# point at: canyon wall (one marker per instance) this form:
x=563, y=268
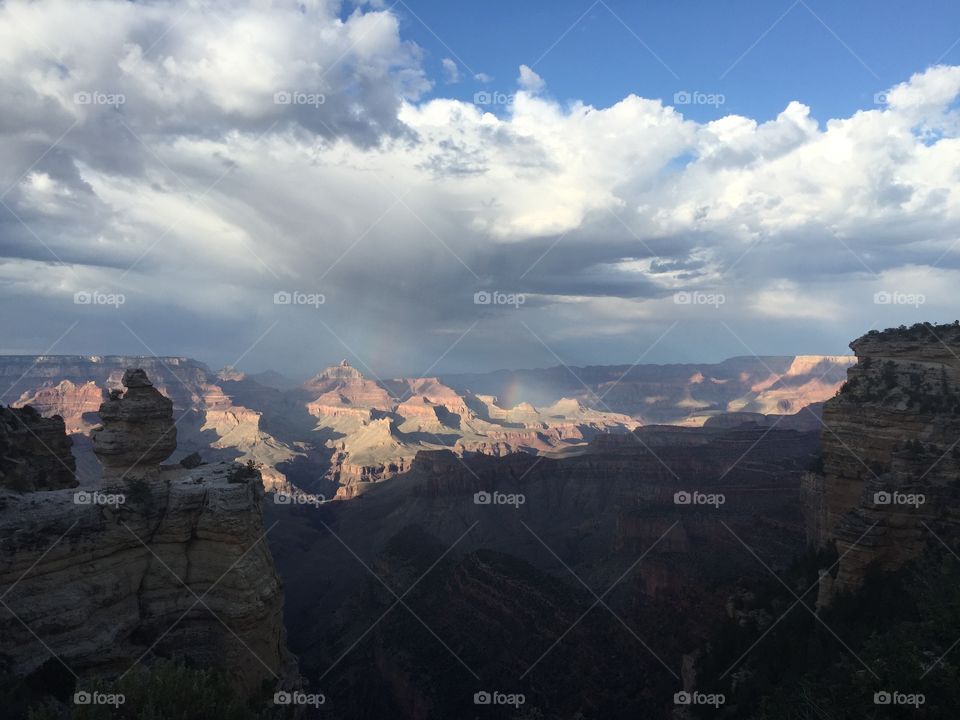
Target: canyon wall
x=208, y=419
x=891, y=460
x=34, y=452
x=677, y=394
x=341, y=432
x=159, y=560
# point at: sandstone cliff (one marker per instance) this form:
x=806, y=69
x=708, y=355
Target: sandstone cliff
x=34, y=452
x=160, y=561
x=208, y=418
x=678, y=394
x=890, y=455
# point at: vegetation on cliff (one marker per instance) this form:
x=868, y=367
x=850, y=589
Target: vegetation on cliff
x=895, y=635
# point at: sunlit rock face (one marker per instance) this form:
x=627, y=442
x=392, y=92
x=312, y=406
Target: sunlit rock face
x=209, y=418
x=341, y=431
x=138, y=431
x=76, y=402
x=890, y=460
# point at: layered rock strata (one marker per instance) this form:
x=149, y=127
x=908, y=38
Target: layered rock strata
x=138, y=432
x=170, y=562
x=34, y=452
x=891, y=462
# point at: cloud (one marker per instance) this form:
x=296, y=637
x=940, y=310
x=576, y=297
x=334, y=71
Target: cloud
x=202, y=194
x=529, y=81
x=451, y=73
x=483, y=77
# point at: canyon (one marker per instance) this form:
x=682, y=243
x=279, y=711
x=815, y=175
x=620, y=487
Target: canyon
x=339, y=432
x=550, y=545
x=158, y=561
x=612, y=517
x=676, y=394
x=611, y=537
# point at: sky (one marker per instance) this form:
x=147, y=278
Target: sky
x=424, y=187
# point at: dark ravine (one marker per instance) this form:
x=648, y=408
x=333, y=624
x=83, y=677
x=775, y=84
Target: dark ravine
x=707, y=584
x=599, y=512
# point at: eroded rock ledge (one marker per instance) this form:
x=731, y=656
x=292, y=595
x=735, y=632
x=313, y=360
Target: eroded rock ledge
x=34, y=452
x=164, y=561
x=138, y=431
x=891, y=461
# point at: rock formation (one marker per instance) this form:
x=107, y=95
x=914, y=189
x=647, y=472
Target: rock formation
x=34, y=452
x=891, y=461
x=170, y=562
x=341, y=431
x=677, y=394
x=379, y=428
x=76, y=403
x=209, y=419
x=138, y=432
